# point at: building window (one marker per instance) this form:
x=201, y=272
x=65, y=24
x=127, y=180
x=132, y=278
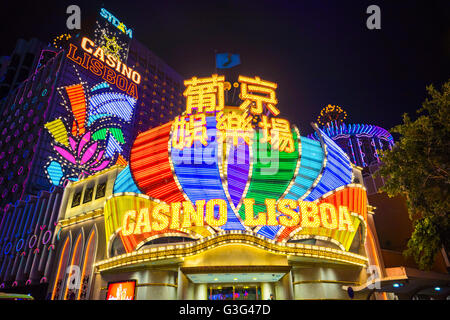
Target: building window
x=88, y=194
x=101, y=190
x=76, y=198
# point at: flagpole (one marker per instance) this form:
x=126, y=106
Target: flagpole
x=215, y=60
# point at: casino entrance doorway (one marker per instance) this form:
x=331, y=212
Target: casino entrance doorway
x=234, y=292
x=236, y=283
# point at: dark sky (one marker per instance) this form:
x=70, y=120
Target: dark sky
x=319, y=52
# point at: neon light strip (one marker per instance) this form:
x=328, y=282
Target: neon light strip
x=337, y=171
x=75, y=253
x=112, y=103
x=60, y=272
x=150, y=165
x=354, y=197
x=78, y=102
x=102, y=85
x=124, y=182
x=85, y=262
x=224, y=239
x=237, y=174
x=310, y=166
x=270, y=186
x=336, y=132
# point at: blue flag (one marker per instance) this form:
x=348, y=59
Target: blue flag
x=227, y=60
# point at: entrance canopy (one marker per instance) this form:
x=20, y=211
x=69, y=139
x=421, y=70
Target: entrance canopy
x=235, y=274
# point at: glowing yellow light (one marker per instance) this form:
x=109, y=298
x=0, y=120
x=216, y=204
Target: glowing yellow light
x=271, y=212
x=160, y=217
x=184, y=132
x=143, y=222
x=193, y=215
x=278, y=133
x=127, y=225
x=58, y=131
x=331, y=113
x=281, y=135
x=175, y=208
x=290, y=218
x=235, y=126
x=310, y=214
x=204, y=94
x=255, y=92
x=210, y=219
x=250, y=220
x=327, y=213
x=345, y=222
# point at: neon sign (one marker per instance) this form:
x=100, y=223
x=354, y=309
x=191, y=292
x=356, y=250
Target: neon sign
x=93, y=136
x=223, y=168
x=293, y=214
x=116, y=22
x=205, y=97
x=124, y=290
x=106, y=66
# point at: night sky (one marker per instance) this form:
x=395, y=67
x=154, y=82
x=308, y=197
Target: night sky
x=319, y=52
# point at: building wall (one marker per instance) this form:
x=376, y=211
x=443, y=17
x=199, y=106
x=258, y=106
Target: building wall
x=27, y=240
x=69, y=210
x=161, y=95
x=22, y=63
x=23, y=115
x=83, y=220
x=323, y=282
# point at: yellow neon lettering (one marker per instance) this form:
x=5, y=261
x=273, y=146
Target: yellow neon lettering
x=86, y=41
x=136, y=77
x=271, y=212
x=250, y=220
x=110, y=61
x=127, y=225
x=143, y=222
x=190, y=213
x=126, y=71
x=345, y=222
x=175, y=208
x=160, y=217
x=99, y=54
x=290, y=218
x=310, y=214
x=210, y=219
x=328, y=216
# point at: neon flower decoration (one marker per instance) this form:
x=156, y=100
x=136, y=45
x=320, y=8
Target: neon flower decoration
x=84, y=154
x=95, y=139
x=331, y=114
